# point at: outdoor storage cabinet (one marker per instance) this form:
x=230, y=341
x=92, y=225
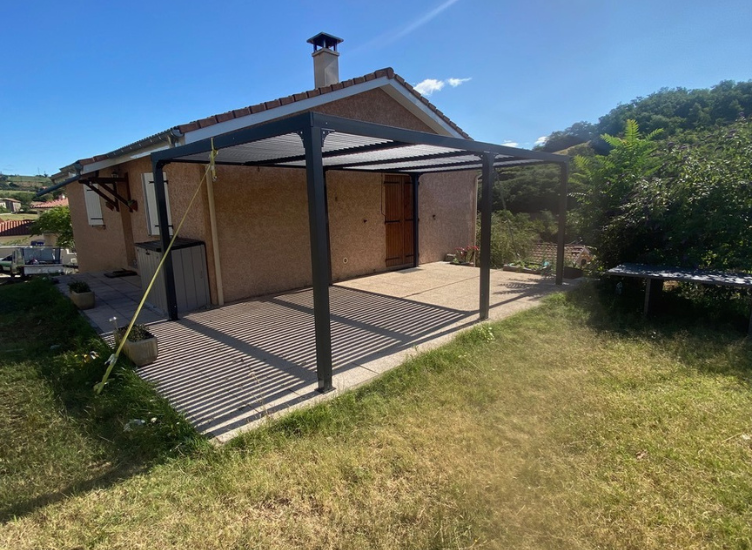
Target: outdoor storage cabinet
x=189, y=265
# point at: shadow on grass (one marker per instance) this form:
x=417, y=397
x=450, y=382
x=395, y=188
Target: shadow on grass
x=61, y=438
x=699, y=324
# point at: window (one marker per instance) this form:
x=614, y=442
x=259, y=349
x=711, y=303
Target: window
x=152, y=218
x=93, y=206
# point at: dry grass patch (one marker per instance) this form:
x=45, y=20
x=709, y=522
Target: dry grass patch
x=554, y=429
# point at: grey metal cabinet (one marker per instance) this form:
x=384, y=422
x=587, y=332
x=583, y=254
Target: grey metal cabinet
x=189, y=266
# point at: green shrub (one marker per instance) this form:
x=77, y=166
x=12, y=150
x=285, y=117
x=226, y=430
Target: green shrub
x=512, y=237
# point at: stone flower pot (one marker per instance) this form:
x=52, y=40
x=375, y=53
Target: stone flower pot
x=82, y=300
x=141, y=347
x=142, y=352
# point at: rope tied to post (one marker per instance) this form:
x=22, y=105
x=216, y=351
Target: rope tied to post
x=120, y=339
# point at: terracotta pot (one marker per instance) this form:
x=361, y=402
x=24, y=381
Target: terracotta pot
x=142, y=352
x=82, y=300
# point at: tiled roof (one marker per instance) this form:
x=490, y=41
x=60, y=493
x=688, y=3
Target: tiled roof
x=15, y=228
x=41, y=205
x=269, y=105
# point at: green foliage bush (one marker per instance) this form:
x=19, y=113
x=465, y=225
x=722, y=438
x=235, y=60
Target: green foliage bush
x=686, y=202
x=512, y=237
x=56, y=220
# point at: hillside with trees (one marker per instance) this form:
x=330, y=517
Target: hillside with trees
x=664, y=179
x=673, y=111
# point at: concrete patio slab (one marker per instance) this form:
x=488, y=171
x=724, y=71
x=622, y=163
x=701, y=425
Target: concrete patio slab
x=114, y=297
x=229, y=369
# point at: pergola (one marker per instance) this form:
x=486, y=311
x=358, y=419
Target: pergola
x=318, y=143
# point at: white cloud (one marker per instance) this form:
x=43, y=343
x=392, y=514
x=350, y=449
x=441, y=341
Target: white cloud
x=429, y=86
x=454, y=82
x=541, y=140
x=508, y=143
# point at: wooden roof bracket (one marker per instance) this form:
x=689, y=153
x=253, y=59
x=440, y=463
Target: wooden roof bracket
x=107, y=189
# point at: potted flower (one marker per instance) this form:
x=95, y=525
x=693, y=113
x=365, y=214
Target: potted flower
x=141, y=347
x=81, y=294
x=466, y=255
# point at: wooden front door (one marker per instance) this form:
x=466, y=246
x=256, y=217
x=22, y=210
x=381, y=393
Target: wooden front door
x=399, y=220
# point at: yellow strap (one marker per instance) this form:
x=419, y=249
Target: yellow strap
x=112, y=360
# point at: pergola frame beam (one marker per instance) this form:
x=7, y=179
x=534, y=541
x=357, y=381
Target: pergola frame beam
x=313, y=129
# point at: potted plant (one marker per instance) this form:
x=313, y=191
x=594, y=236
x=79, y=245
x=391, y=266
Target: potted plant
x=466, y=255
x=141, y=347
x=81, y=294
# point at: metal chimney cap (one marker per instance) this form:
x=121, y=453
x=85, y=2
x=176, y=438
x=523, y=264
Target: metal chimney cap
x=324, y=40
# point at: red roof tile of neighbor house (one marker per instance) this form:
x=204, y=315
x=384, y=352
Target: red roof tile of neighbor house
x=15, y=228
x=269, y=105
x=41, y=205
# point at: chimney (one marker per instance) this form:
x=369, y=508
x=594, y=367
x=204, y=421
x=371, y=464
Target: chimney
x=325, y=59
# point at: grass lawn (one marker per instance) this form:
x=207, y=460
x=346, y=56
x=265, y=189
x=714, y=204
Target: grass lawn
x=573, y=425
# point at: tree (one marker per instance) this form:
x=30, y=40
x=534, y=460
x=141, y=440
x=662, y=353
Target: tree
x=56, y=220
x=613, y=216
x=708, y=196
x=579, y=132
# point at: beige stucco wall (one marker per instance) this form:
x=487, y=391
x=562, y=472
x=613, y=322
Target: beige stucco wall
x=262, y=216
x=357, y=235
x=447, y=210
x=100, y=247
x=374, y=106
x=262, y=225
x=113, y=246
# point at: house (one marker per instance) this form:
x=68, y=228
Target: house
x=348, y=179
x=261, y=222
x=11, y=205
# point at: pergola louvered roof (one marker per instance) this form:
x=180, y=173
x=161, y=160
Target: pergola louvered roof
x=351, y=145
x=317, y=143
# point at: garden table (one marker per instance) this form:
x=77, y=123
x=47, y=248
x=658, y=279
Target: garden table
x=656, y=275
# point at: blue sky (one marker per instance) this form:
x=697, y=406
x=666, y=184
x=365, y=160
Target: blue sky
x=81, y=78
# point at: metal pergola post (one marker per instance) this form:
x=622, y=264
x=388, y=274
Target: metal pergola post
x=485, y=234
x=563, y=177
x=164, y=238
x=313, y=141
x=415, y=178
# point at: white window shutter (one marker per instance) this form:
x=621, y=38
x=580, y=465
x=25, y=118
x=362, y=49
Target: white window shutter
x=152, y=218
x=93, y=206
